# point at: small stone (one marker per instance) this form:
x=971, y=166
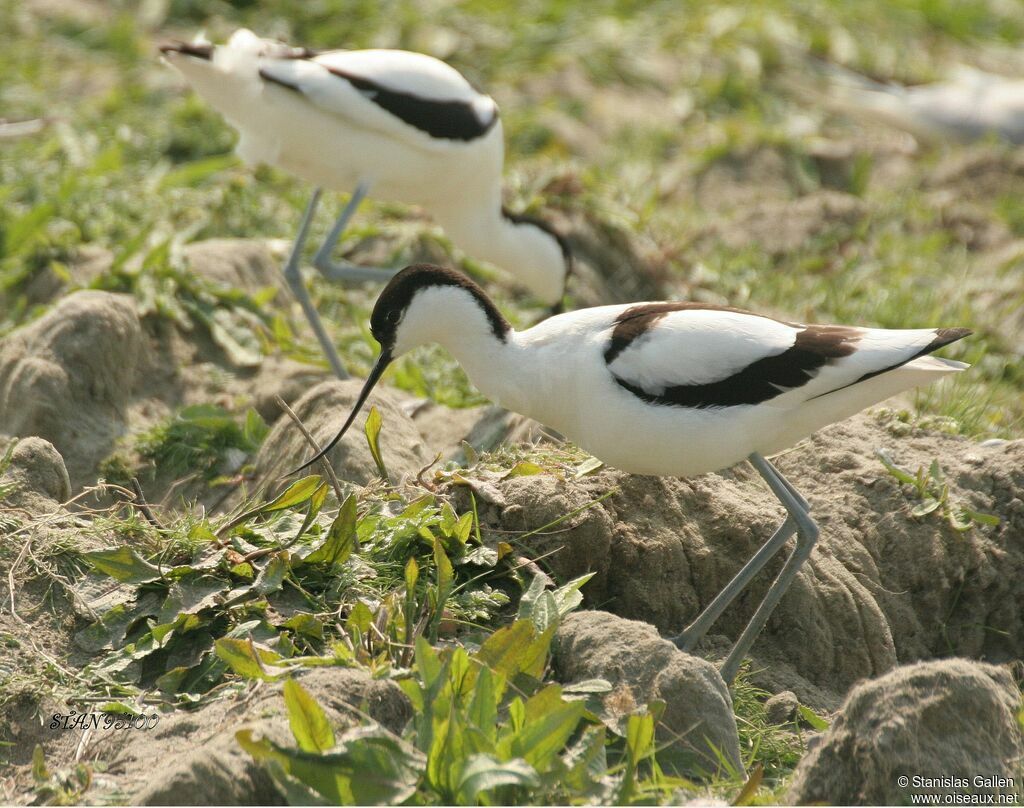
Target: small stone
x=782, y=707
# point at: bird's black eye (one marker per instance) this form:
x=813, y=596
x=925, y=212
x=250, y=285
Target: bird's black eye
x=393, y=316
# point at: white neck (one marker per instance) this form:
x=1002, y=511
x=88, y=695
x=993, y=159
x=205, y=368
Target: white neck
x=524, y=250
x=501, y=369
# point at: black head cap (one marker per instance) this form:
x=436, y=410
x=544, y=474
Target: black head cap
x=387, y=315
x=401, y=289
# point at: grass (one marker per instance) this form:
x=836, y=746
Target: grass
x=663, y=120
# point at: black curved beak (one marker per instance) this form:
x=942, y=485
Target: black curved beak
x=199, y=51
x=375, y=373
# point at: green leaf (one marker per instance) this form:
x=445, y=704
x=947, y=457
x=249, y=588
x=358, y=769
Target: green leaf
x=371, y=766
x=307, y=624
x=246, y=659
x=412, y=574
x=812, y=718
x=341, y=538
x=989, y=519
x=545, y=612
x=271, y=577
x=192, y=594
x=549, y=723
x=900, y=474
x=123, y=564
x=482, y=773
x=483, y=705
x=588, y=466
x=516, y=649
x=925, y=508
x=639, y=736
x=295, y=494
x=372, y=429
x=193, y=173
x=568, y=596
x=308, y=721
x=107, y=632
x=529, y=597
x=524, y=468
x=233, y=330
x=40, y=773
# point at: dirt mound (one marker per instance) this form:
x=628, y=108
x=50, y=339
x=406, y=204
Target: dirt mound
x=610, y=264
x=882, y=587
x=323, y=410
x=237, y=263
x=201, y=763
x=38, y=475
x=783, y=226
x=66, y=377
x=698, y=723
x=947, y=719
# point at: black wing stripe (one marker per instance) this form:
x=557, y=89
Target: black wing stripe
x=281, y=82
x=943, y=336
x=814, y=347
x=636, y=321
x=448, y=120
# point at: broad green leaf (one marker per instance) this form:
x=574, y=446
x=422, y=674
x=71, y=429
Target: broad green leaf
x=568, y=596
x=307, y=719
x=359, y=619
x=295, y=494
x=370, y=766
x=529, y=597
x=341, y=538
x=989, y=519
x=484, y=703
x=427, y=662
x=550, y=722
x=372, y=429
x=812, y=718
x=482, y=773
x=191, y=595
x=588, y=466
x=545, y=612
x=417, y=506
x=516, y=649
x=245, y=659
x=639, y=737
x=464, y=529
x=304, y=623
x=108, y=631
x=195, y=172
x=123, y=564
x=925, y=508
x=271, y=577
x=445, y=574
x=40, y=773
x=524, y=468
x=900, y=474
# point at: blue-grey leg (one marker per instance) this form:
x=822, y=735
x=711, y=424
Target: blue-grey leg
x=687, y=639
x=294, y=279
x=345, y=272
x=806, y=536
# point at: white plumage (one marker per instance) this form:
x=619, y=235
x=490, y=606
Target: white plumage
x=671, y=389
x=969, y=105
x=402, y=126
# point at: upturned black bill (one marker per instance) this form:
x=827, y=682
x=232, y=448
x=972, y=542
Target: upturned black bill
x=378, y=369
